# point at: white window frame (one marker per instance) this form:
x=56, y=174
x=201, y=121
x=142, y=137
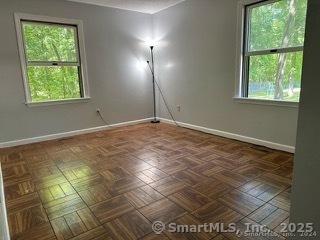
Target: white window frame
x=242, y=56
x=81, y=62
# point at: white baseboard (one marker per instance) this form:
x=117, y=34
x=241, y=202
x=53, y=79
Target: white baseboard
x=4, y=228
x=242, y=138
x=256, y=141
x=69, y=134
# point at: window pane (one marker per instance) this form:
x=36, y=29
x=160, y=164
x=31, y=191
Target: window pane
x=49, y=42
x=277, y=25
x=53, y=83
x=275, y=76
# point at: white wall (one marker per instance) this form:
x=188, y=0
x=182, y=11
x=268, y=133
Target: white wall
x=305, y=196
x=113, y=41
x=196, y=65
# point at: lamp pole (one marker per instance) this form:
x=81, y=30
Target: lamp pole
x=154, y=87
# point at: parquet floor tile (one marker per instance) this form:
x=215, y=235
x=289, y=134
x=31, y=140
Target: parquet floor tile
x=143, y=196
x=216, y=212
x=15, y=172
x=285, y=171
x=172, y=167
x=40, y=232
x=275, y=180
x=189, y=199
x=98, y=233
x=282, y=200
x=275, y=218
x=241, y=202
x=50, y=180
x=25, y=219
x=262, y=212
x=74, y=224
x=151, y=175
x=261, y=190
x=208, y=169
x=231, y=178
x=190, y=161
x=213, y=188
x=95, y=194
x=23, y=202
x=114, y=174
x=78, y=172
x=124, y=185
x=55, y=192
x=190, y=177
x=249, y=171
x=63, y=206
x=162, y=210
x=112, y=208
x=86, y=183
x=134, y=165
x=263, y=165
x=17, y=190
x=114, y=184
x=168, y=185
x=129, y=226
x=227, y=163
x=39, y=171
x=277, y=158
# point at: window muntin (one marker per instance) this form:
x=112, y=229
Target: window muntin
x=50, y=42
x=60, y=82
x=273, y=49
x=52, y=58
x=261, y=81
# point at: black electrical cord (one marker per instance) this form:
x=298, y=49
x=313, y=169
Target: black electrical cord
x=102, y=118
x=166, y=104
x=163, y=98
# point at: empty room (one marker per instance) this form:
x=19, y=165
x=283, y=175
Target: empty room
x=159, y=119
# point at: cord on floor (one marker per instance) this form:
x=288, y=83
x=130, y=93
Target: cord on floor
x=162, y=96
x=166, y=104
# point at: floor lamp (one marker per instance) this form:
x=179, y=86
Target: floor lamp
x=151, y=66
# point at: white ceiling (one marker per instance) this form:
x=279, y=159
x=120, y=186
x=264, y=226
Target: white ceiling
x=145, y=6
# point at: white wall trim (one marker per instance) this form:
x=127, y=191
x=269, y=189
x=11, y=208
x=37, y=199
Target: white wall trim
x=4, y=231
x=256, y=141
x=277, y=146
x=69, y=134
x=278, y=103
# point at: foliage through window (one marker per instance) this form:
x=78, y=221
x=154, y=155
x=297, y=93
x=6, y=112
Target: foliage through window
x=273, y=51
x=53, y=70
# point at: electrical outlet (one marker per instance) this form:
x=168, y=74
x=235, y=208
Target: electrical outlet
x=179, y=108
x=98, y=110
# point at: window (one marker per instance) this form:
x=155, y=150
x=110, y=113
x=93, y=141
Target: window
x=273, y=50
x=52, y=58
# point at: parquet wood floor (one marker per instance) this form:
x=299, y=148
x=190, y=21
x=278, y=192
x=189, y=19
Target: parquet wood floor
x=114, y=184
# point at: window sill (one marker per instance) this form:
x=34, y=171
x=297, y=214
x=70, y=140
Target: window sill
x=57, y=102
x=278, y=103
